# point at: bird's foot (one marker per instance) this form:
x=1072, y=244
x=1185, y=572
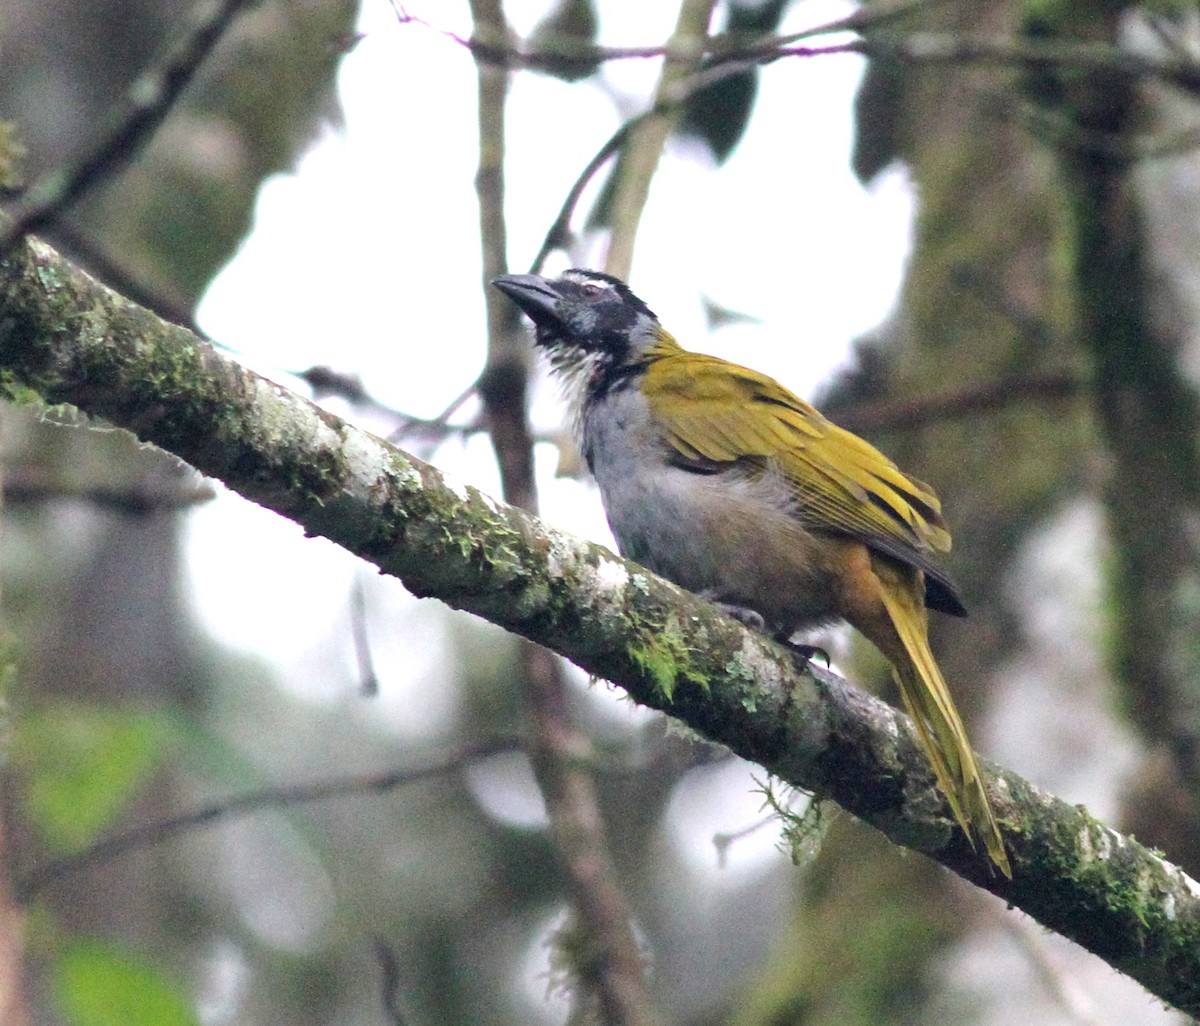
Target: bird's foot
x=755, y=621
x=743, y=614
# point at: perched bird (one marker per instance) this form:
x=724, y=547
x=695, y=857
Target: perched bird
x=723, y=481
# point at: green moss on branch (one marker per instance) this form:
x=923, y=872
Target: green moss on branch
x=70, y=340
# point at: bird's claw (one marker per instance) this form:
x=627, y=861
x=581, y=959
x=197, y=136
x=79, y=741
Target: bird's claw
x=804, y=654
x=753, y=619
x=743, y=614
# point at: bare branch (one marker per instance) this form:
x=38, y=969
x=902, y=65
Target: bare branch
x=25, y=486
x=150, y=834
x=559, y=234
x=671, y=101
x=1178, y=68
x=987, y=397
x=389, y=983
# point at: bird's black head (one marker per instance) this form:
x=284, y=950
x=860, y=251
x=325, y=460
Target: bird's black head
x=582, y=313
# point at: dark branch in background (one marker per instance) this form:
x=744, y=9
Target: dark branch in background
x=671, y=100
x=559, y=235
x=1032, y=331
x=439, y=424
x=22, y=486
x=67, y=339
x=1179, y=70
x=611, y=975
x=987, y=397
x=368, y=679
x=420, y=434
x=150, y=834
x=931, y=48
x=549, y=57
x=147, y=103
x=389, y=980
x=326, y=382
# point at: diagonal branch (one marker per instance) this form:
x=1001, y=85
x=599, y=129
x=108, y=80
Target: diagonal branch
x=149, y=834
x=67, y=339
x=147, y=103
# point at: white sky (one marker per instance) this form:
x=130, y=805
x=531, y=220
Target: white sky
x=367, y=259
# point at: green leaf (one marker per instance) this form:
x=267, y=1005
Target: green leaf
x=82, y=764
x=99, y=984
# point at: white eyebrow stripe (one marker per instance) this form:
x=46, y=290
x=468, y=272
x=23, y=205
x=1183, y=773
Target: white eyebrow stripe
x=583, y=278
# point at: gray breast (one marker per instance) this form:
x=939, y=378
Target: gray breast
x=730, y=535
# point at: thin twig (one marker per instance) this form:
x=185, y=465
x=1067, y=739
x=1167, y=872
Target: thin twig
x=1178, y=69
x=560, y=231
x=723, y=840
x=1033, y=332
x=150, y=834
x=551, y=52
x=147, y=102
x=439, y=427
x=1071, y=996
x=682, y=90
x=368, y=679
x=325, y=381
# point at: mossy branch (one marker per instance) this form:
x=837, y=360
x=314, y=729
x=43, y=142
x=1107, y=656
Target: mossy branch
x=68, y=339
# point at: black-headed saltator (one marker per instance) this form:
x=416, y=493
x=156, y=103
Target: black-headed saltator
x=723, y=481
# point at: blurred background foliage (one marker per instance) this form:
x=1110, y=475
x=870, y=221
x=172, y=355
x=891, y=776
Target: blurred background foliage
x=1039, y=368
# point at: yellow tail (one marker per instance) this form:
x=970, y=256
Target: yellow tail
x=939, y=728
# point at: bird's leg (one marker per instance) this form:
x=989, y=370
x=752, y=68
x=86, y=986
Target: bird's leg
x=753, y=619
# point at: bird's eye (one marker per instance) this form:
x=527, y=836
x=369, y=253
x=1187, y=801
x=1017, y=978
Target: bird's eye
x=590, y=290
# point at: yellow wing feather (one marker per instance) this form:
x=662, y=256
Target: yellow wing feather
x=717, y=411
